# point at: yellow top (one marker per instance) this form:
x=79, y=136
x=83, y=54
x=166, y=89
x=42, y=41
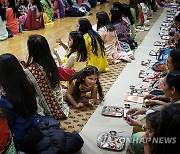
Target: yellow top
x=98, y=61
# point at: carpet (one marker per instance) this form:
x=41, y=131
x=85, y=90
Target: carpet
x=79, y=117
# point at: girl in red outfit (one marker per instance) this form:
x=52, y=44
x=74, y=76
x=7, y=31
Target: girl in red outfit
x=6, y=143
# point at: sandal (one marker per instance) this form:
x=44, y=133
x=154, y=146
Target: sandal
x=165, y=37
x=158, y=43
x=153, y=53
x=146, y=63
x=165, y=24
x=164, y=28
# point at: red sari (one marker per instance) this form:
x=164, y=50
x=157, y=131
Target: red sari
x=4, y=134
x=31, y=23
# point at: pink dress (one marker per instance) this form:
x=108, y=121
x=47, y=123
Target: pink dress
x=11, y=21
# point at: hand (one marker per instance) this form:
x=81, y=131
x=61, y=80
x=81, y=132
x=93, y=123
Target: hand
x=91, y=102
x=79, y=105
x=55, y=52
x=135, y=111
x=58, y=40
x=153, y=102
x=148, y=96
x=161, y=98
x=161, y=67
x=133, y=122
x=23, y=63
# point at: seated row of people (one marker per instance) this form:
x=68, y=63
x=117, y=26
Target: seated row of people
x=161, y=100
x=32, y=15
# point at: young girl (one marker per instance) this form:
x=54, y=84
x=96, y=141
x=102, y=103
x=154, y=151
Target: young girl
x=3, y=31
x=126, y=14
x=145, y=138
x=34, y=19
x=107, y=32
x=76, y=54
x=48, y=14
x=168, y=129
x=32, y=133
x=6, y=142
x=94, y=45
x=12, y=15
x=84, y=86
x=43, y=73
x=122, y=28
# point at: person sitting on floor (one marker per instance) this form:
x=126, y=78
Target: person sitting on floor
x=94, y=45
x=34, y=19
x=42, y=70
x=48, y=14
x=3, y=30
x=84, y=87
x=31, y=132
x=76, y=54
x=141, y=140
x=168, y=128
x=12, y=16
x=6, y=141
x=107, y=31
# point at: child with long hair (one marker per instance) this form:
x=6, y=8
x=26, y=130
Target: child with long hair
x=126, y=14
x=141, y=142
x=34, y=19
x=107, y=31
x=48, y=14
x=94, y=45
x=169, y=123
x=32, y=133
x=3, y=31
x=12, y=16
x=84, y=87
x=43, y=73
x=76, y=55
x=122, y=29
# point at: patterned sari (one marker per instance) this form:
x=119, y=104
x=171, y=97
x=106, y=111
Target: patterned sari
x=50, y=100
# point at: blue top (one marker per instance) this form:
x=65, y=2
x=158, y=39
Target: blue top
x=18, y=125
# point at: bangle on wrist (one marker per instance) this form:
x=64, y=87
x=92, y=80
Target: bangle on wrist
x=143, y=126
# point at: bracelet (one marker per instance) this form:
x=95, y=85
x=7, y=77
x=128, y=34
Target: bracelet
x=143, y=126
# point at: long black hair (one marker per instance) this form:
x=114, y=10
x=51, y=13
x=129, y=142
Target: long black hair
x=173, y=80
x=169, y=124
x=153, y=119
x=175, y=56
x=78, y=46
x=38, y=4
x=80, y=76
x=18, y=90
x=134, y=4
x=86, y=27
x=2, y=12
x=127, y=12
x=12, y=4
x=116, y=15
x=39, y=52
x=103, y=20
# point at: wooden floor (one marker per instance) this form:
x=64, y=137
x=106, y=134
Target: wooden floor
x=60, y=28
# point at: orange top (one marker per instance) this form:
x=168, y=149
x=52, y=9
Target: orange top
x=12, y=21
